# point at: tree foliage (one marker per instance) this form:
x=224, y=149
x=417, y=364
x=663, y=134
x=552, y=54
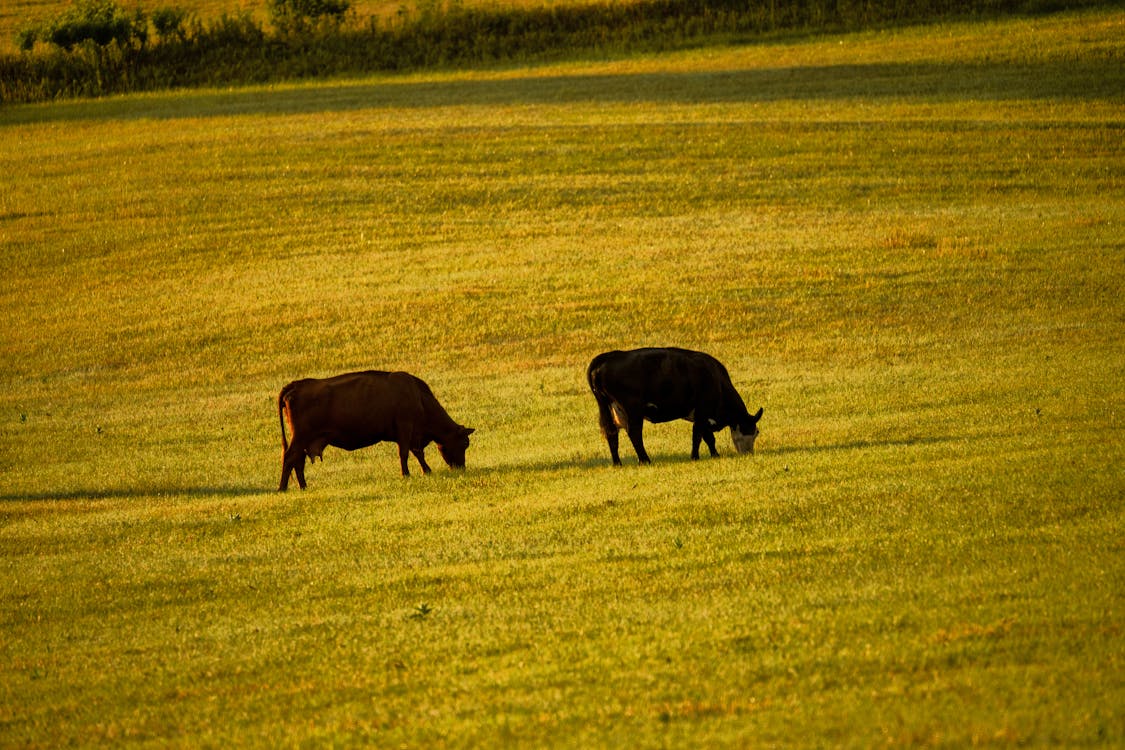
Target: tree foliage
x=300, y=15
x=101, y=22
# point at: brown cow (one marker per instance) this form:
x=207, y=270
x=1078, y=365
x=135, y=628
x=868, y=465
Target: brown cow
x=360, y=409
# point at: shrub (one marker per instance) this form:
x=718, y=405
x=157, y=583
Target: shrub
x=169, y=23
x=300, y=15
x=97, y=21
x=26, y=38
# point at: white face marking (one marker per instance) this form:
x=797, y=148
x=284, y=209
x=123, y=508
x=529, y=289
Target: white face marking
x=743, y=443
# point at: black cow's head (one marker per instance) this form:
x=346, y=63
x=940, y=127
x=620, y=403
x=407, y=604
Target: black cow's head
x=453, y=449
x=745, y=433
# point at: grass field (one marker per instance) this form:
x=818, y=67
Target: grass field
x=906, y=246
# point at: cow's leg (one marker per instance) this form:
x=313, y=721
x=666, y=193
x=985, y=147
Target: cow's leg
x=403, y=455
x=610, y=429
x=696, y=438
x=420, y=454
x=286, y=470
x=612, y=439
x=299, y=469
x=709, y=438
x=292, y=461
x=700, y=433
x=636, y=437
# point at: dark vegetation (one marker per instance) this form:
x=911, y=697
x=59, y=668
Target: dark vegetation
x=96, y=47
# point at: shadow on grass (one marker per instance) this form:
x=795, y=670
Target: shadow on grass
x=853, y=445
x=989, y=81
x=131, y=493
x=629, y=461
x=500, y=470
x=539, y=466
x=593, y=463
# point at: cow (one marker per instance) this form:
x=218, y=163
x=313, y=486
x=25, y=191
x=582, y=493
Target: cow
x=359, y=409
x=662, y=384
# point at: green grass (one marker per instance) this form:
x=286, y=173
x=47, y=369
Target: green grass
x=905, y=245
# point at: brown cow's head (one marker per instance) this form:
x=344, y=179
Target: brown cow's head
x=453, y=449
x=744, y=434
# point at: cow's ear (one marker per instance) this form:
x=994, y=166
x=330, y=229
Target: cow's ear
x=466, y=431
x=757, y=416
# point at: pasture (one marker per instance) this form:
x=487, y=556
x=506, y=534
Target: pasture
x=905, y=245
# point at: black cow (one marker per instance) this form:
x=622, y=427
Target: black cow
x=665, y=384
x=360, y=409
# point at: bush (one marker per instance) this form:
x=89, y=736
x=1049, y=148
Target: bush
x=97, y=21
x=300, y=15
x=26, y=38
x=169, y=23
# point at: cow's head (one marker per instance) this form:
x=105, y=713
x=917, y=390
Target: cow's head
x=745, y=433
x=453, y=449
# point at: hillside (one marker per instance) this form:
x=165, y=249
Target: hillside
x=903, y=243
x=100, y=47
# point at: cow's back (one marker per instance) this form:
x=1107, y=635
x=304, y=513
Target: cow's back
x=357, y=408
x=648, y=368
x=664, y=383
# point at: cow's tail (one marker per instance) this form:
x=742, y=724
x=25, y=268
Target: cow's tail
x=281, y=417
x=590, y=377
x=607, y=416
